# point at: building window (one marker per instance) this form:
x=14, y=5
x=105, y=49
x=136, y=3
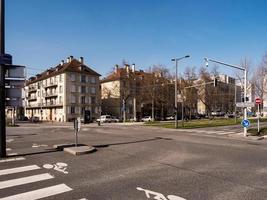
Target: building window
x=60, y=99
x=60, y=89
x=92, y=90
x=93, y=100
x=60, y=78
x=93, y=110
x=72, y=99
x=73, y=88
x=83, y=78
x=83, y=99
x=82, y=110
x=72, y=77
x=83, y=89
x=72, y=109
x=93, y=80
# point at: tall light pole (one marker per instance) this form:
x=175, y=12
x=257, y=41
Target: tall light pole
x=245, y=83
x=175, y=92
x=2, y=82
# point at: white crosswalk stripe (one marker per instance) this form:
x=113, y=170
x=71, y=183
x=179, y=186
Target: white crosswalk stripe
x=12, y=159
x=24, y=180
x=210, y=132
x=18, y=169
x=39, y=193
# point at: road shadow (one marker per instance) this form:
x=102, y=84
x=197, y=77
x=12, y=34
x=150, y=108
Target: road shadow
x=34, y=153
x=130, y=142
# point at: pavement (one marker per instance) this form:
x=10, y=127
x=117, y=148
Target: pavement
x=132, y=162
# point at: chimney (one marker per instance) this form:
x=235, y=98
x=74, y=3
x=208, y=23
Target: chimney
x=127, y=68
x=116, y=69
x=62, y=62
x=133, y=67
x=81, y=60
x=71, y=58
x=68, y=59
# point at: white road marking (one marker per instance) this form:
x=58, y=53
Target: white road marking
x=61, y=167
x=8, y=149
x=18, y=169
x=9, y=140
x=12, y=159
x=25, y=180
x=40, y=193
x=39, y=145
x=12, y=154
x=158, y=195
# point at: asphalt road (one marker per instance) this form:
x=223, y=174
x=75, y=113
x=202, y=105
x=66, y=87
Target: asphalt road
x=132, y=162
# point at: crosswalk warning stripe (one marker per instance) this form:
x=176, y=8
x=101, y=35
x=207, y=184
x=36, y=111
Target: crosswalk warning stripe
x=24, y=180
x=40, y=193
x=18, y=169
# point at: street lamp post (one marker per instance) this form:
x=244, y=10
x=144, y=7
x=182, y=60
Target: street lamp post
x=175, y=92
x=245, y=83
x=2, y=82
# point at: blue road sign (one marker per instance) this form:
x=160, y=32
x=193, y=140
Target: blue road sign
x=245, y=123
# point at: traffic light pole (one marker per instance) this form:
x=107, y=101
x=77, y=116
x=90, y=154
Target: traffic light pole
x=2, y=82
x=245, y=84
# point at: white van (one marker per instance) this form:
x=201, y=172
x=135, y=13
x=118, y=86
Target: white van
x=105, y=118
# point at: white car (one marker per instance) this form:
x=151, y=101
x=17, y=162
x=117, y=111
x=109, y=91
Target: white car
x=114, y=119
x=104, y=118
x=170, y=118
x=146, y=119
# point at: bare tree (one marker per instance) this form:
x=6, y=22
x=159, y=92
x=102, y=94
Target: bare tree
x=259, y=77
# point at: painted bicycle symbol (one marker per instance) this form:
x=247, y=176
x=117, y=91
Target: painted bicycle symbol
x=61, y=167
x=159, y=196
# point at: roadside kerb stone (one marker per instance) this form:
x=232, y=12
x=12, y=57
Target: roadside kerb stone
x=80, y=150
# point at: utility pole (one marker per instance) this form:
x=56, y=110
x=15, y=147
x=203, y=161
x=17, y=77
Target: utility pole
x=2, y=82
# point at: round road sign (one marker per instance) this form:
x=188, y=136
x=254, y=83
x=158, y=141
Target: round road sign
x=245, y=123
x=258, y=101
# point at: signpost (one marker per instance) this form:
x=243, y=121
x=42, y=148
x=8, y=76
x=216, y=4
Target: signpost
x=258, y=102
x=245, y=104
x=77, y=128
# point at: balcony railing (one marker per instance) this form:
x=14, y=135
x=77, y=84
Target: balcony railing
x=32, y=89
x=43, y=105
x=50, y=94
x=32, y=98
x=53, y=84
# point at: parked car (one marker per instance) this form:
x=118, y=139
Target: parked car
x=146, y=119
x=105, y=119
x=170, y=117
x=34, y=119
x=114, y=119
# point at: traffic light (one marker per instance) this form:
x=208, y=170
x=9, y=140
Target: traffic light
x=215, y=82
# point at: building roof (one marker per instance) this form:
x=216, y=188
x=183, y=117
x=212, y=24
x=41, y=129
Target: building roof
x=73, y=66
x=120, y=73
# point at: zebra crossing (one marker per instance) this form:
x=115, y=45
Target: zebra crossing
x=12, y=183
x=212, y=132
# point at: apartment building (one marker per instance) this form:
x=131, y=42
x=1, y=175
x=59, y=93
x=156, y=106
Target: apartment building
x=14, y=83
x=220, y=98
x=130, y=94
x=64, y=92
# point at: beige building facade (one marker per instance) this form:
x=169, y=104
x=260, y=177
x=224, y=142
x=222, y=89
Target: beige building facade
x=64, y=92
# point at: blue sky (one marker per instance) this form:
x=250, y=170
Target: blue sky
x=40, y=33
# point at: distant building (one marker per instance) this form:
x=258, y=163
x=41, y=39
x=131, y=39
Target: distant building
x=220, y=98
x=14, y=83
x=131, y=94
x=63, y=92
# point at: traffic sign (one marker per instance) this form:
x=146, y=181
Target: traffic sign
x=245, y=123
x=258, y=100
x=245, y=104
